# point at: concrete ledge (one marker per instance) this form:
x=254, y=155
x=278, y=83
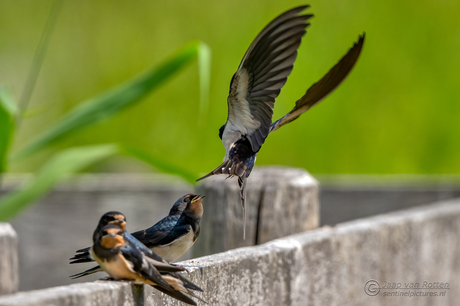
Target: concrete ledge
x=88, y=294
x=330, y=266
x=327, y=266
x=348, y=197
x=280, y=201
x=147, y=198
x=79, y=203
x=8, y=259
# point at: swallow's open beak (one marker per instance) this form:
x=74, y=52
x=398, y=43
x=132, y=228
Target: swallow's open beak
x=198, y=197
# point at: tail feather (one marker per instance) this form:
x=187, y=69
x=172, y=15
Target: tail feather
x=84, y=250
x=87, y=272
x=82, y=255
x=242, y=184
x=81, y=260
x=180, y=290
x=242, y=171
x=187, y=284
x=224, y=168
x=323, y=87
x=177, y=295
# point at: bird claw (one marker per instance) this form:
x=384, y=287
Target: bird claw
x=181, y=266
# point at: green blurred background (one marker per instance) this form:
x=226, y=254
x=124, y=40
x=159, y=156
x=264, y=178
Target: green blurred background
x=397, y=112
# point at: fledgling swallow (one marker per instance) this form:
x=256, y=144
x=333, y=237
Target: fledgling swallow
x=122, y=260
x=170, y=238
x=119, y=219
x=111, y=217
x=261, y=74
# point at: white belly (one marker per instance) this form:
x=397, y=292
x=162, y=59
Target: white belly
x=175, y=249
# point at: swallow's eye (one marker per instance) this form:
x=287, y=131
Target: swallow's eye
x=187, y=200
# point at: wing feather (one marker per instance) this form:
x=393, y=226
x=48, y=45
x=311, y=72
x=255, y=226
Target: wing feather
x=262, y=73
x=325, y=86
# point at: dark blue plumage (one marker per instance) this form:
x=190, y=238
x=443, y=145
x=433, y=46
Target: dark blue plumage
x=170, y=238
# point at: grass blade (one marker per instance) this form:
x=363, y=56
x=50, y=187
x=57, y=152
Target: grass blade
x=60, y=166
x=40, y=54
x=8, y=112
x=204, y=71
x=159, y=163
x=111, y=102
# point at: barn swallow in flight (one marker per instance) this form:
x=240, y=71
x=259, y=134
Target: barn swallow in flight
x=122, y=259
x=170, y=238
x=262, y=73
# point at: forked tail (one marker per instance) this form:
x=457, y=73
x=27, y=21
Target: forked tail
x=241, y=169
x=87, y=272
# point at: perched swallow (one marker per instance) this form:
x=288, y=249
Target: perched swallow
x=170, y=238
x=119, y=219
x=111, y=217
x=262, y=73
x=121, y=259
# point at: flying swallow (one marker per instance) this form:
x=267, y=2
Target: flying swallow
x=261, y=74
x=170, y=238
x=123, y=260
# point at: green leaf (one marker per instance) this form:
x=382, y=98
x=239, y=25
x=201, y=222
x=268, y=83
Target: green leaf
x=159, y=163
x=104, y=106
x=8, y=111
x=60, y=166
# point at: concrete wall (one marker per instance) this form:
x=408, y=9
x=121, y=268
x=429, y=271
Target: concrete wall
x=64, y=220
x=280, y=201
x=348, y=197
x=8, y=259
x=341, y=265
x=145, y=199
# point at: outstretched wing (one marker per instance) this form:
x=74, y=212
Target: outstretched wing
x=261, y=75
x=323, y=87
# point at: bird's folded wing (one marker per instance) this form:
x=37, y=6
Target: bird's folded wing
x=159, y=263
x=323, y=87
x=156, y=237
x=187, y=284
x=139, y=264
x=262, y=73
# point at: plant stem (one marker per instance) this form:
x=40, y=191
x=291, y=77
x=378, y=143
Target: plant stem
x=39, y=56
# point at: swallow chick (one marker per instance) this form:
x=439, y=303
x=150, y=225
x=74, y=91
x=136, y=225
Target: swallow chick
x=119, y=219
x=122, y=260
x=261, y=74
x=170, y=238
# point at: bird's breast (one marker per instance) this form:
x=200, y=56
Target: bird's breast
x=175, y=249
x=229, y=137
x=119, y=268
